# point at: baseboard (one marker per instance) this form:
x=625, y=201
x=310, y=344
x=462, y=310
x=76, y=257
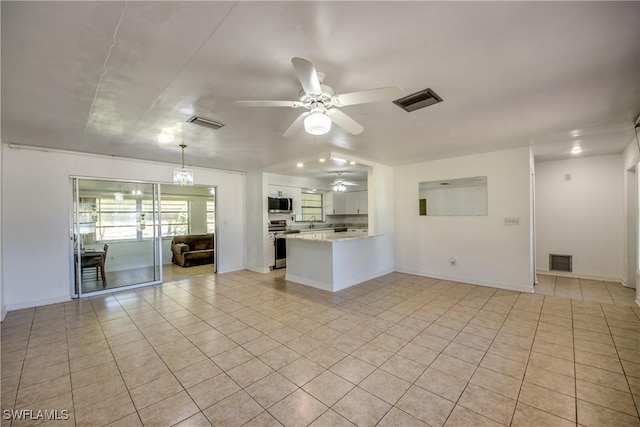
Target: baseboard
x=259, y=270
x=37, y=303
x=579, y=276
x=626, y=285
x=638, y=302
x=506, y=286
x=318, y=285
x=232, y=269
x=3, y=313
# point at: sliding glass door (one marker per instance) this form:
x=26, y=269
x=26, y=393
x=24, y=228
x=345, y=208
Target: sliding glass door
x=115, y=235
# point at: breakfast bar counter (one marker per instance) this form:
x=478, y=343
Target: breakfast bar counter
x=331, y=261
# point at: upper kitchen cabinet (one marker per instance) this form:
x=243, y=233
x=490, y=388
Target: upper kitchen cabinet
x=334, y=204
x=356, y=202
x=280, y=191
x=351, y=203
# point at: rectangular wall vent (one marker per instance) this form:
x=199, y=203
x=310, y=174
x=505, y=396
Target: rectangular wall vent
x=560, y=262
x=418, y=100
x=205, y=122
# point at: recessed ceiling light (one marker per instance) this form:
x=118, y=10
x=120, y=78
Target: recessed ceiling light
x=339, y=160
x=321, y=160
x=576, y=150
x=352, y=162
x=300, y=164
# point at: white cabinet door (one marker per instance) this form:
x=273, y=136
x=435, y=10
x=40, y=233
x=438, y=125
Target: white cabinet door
x=296, y=196
x=270, y=251
x=280, y=191
x=328, y=203
x=363, y=202
x=351, y=202
x=334, y=203
x=339, y=203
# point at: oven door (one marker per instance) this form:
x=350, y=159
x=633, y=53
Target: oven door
x=281, y=251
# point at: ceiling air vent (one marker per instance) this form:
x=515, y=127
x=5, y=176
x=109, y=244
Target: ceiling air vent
x=418, y=100
x=205, y=122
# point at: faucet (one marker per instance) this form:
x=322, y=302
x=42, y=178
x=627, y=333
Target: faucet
x=313, y=218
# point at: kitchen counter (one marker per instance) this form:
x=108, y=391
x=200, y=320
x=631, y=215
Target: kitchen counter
x=332, y=261
x=328, y=236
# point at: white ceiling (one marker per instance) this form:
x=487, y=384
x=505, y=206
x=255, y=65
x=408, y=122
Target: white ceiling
x=112, y=77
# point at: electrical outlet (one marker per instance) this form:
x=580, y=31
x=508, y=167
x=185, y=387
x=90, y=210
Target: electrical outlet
x=512, y=221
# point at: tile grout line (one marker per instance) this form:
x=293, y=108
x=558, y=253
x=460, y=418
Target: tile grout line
x=626, y=377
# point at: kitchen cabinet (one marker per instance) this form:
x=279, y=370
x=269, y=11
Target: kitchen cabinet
x=334, y=203
x=295, y=193
x=280, y=191
x=270, y=251
x=356, y=202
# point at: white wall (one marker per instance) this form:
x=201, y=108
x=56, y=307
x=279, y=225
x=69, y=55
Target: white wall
x=631, y=157
x=583, y=217
x=256, y=221
x=3, y=310
x=486, y=251
x=35, y=216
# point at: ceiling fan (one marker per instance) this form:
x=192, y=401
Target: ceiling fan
x=322, y=104
x=340, y=184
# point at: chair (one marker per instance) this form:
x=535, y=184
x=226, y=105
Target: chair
x=97, y=262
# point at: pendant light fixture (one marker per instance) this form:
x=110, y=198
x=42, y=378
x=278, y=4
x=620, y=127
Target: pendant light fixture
x=182, y=176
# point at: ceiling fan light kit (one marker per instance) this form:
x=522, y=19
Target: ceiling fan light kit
x=322, y=102
x=317, y=123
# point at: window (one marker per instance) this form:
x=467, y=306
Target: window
x=311, y=207
x=132, y=219
x=211, y=216
x=123, y=219
x=175, y=217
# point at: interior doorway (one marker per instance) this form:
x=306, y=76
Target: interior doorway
x=123, y=233
x=188, y=211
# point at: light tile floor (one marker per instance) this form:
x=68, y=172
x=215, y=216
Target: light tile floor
x=118, y=279
x=585, y=289
x=250, y=349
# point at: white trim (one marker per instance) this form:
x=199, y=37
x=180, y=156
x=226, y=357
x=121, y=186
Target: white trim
x=119, y=289
x=467, y=280
x=37, y=303
x=14, y=146
x=232, y=269
x=339, y=286
x=259, y=270
x=3, y=313
x=579, y=276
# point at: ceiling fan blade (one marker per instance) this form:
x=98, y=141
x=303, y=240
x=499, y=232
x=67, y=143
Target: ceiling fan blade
x=372, y=95
x=307, y=75
x=291, y=104
x=296, y=125
x=344, y=121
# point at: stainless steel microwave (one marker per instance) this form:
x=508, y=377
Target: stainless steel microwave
x=280, y=205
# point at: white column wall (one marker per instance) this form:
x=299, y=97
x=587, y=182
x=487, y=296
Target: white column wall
x=583, y=217
x=35, y=216
x=486, y=251
x=631, y=157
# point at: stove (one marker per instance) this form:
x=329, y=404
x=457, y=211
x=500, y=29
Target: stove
x=277, y=225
